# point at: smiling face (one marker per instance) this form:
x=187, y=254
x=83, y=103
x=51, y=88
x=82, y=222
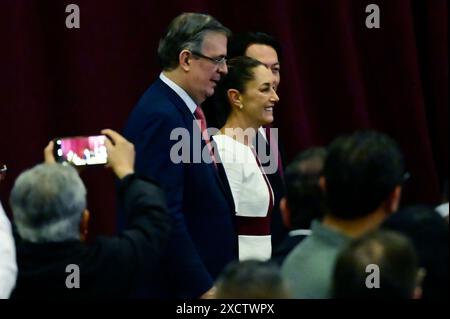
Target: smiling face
x=204, y=74
x=268, y=56
x=259, y=97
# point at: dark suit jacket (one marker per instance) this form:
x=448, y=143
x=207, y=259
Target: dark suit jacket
x=203, y=239
x=111, y=266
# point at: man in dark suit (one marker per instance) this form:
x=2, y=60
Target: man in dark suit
x=193, y=57
x=49, y=208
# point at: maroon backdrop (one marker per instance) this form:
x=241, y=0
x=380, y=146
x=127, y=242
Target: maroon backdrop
x=337, y=76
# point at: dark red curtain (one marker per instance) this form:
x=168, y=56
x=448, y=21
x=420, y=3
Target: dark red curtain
x=337, y=76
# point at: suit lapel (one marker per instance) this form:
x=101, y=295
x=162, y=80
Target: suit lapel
x=188, y=118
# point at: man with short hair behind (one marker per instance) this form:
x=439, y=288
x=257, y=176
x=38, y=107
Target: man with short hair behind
x=380, y=265
x=192, y=54
x=363, y=178
x=304, y=200
x=259, y=46
x=49, y=209
x=251, y=279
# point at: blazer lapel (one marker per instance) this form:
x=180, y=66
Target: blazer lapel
x=219, y=173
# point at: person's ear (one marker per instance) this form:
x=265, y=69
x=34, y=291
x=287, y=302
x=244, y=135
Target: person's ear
x=235, y=98
x=184, y=60
x=84, y=225
x=285, y=213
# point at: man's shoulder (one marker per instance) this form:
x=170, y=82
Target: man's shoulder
x=155, y=106
x=308, y=254
x=295, y=255
x=308, y=270
x=157, y=99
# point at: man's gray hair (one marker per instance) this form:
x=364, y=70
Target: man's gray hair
x=186, y=32
x=47, y=203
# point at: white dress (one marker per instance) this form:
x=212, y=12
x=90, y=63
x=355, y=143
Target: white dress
x=252, y=195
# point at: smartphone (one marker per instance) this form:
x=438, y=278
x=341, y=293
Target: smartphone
x=81, y=150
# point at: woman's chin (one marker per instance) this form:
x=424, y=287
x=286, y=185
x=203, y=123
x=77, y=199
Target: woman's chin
x=268, y=119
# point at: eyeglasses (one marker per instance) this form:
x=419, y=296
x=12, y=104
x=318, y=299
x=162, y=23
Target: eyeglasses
x=3, y=170
x=222, y=60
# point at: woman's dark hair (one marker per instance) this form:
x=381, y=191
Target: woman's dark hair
x=304, y=197
x=240, y=72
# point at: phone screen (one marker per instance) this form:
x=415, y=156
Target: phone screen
x=81, y=150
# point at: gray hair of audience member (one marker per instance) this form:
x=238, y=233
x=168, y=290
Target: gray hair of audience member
x=186, y=32
x=251, y=279
x=397, y=262
x=47, y=202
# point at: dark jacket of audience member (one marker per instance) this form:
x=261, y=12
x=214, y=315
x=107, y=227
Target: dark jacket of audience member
x=430, y=235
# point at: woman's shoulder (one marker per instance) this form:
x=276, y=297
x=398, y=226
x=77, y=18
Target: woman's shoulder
x=228, y=146
x=229, y=143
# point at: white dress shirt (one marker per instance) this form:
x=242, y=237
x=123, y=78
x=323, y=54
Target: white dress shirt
x=180, y=92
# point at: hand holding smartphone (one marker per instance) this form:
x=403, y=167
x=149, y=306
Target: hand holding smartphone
x=111, y=149
x=121, y=154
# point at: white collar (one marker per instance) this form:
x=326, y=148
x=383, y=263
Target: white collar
x=181, y=93
x=443, y=209
x=297, y=232
x=262, y=131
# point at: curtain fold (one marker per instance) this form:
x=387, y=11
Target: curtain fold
x=336, y=76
